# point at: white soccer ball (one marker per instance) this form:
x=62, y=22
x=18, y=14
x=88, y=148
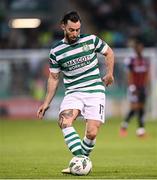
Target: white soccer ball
x=80, y=165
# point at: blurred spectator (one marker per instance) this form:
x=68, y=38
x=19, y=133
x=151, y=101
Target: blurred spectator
x=20, y=78
x=116, y=21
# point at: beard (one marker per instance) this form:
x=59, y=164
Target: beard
x=71, y=40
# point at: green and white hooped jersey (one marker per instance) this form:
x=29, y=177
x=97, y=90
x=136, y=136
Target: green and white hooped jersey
x=79, y=64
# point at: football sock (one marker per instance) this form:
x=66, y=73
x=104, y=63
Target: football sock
x=141, y=117
x=87, y=146
x=72, y=140
x=128, y=118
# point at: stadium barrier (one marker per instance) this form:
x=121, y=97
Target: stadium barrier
x=23, y=77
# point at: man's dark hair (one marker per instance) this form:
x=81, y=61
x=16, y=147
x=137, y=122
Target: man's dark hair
x=72, y=16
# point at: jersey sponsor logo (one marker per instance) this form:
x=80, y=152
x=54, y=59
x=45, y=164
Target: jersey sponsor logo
x=77, y=63
x=78, y=66
x=140, y=69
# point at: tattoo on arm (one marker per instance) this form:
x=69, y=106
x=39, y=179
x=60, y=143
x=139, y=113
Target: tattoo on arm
x=56, y=76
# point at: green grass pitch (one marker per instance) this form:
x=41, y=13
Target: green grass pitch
x=36, y=149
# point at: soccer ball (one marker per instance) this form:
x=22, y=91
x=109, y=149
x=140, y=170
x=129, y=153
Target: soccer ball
x=80, y=165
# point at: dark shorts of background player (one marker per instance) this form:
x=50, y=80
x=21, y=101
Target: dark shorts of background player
x=139, y=95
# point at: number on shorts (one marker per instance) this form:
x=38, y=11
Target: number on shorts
x=101, y=109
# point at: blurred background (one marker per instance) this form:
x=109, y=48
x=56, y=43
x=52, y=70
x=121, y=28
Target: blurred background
x=29, y=27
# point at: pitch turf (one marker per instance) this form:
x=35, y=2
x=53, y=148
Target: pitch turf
x=35, y=149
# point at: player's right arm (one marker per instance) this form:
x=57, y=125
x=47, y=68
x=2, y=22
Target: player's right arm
x=52, y=85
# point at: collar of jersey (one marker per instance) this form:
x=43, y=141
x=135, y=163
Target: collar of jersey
x=63, y=40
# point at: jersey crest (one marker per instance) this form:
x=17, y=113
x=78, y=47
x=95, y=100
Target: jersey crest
x=85, y=47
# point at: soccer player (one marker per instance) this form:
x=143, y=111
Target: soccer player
x=76, y=57
x=138, y=79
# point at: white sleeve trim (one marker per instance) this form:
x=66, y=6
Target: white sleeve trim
x=54, y=70
x=103, y=51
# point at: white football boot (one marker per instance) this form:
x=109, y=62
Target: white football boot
x=66, y=171
x=140, y=132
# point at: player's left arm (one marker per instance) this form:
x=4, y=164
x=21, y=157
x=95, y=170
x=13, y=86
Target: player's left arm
x=109, y=62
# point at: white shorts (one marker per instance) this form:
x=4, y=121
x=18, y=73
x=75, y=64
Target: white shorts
x=91, y=105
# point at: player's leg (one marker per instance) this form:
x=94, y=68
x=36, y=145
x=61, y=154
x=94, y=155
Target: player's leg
x=133, y=99
x=72, y=139
x=141, y=112
x=129, y=116
x=127, y=119
x=141, y=124
x=141, y=129
x=94, y=113
x=89, y=140
x=70, y=108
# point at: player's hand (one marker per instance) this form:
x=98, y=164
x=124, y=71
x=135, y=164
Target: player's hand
x=41, y=111
x=108, y=79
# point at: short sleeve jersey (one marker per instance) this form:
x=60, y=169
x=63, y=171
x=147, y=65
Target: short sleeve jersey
x=139, y=69
x=79, y=63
